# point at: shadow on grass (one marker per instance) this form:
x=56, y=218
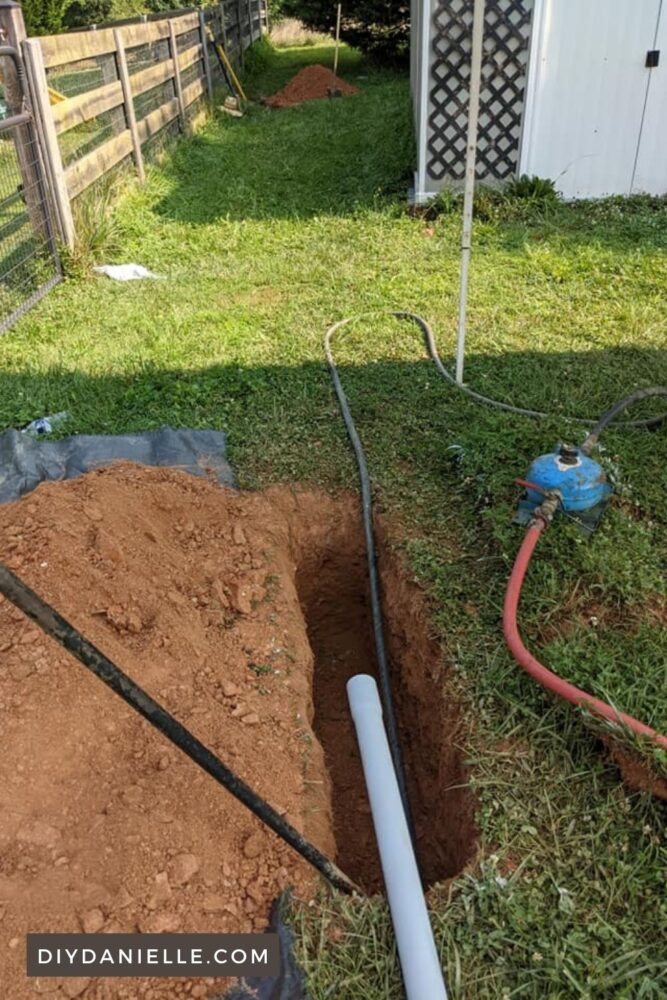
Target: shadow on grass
x=433, y=455
x=404, y=409
x=328, y=157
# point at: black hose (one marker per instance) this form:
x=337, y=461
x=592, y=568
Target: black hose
x=374, y=581
x=54, y=625
x=610, y=416
x=477, y=397
x=367, y=502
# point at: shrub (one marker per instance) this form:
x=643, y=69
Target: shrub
x=521, y=198
x=44, y=17
x=49, y=17
x=536, y=189
x=258, y=56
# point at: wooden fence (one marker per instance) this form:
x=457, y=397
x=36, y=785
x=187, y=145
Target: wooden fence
x=100, y=97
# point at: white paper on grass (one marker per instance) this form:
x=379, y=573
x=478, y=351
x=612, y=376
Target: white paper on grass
x=126, y=272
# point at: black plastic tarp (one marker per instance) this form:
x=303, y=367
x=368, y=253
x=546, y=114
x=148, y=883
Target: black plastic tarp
x=290, y=983
x=25, y=461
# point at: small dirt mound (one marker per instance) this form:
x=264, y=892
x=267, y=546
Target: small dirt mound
x=310, y=84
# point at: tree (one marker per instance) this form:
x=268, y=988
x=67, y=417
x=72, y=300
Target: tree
x=81, y=13
x=380, y=28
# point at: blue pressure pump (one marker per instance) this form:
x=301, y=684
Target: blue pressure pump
x=570, y=480
x=579, y=483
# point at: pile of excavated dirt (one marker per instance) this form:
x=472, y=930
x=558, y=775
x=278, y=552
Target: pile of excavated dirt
x=310, y=84
x=244, y=614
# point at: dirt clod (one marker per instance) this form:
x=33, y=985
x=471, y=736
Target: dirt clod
x=92, y=921
x=75, y=986
x=254, y=846
x=183, y=868
x=312, y=83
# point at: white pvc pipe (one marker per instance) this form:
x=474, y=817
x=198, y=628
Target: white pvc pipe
x=420, y=964
x=424, y=76
x=471, y=161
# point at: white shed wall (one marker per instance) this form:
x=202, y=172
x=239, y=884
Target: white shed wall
x=586, y=111
x=595, y=119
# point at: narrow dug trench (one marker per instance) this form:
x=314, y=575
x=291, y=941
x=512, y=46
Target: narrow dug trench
x=332, y=584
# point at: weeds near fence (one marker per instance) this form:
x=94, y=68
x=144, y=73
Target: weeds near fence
x=98, y=232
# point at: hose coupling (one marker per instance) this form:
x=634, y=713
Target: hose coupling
x=546, y=510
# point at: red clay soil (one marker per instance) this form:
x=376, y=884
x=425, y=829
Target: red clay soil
x=244, y=614
x=636, y=772
x=104, y=826
x=310, y=84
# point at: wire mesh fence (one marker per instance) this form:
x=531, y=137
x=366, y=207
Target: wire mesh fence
x=79, y=78
x=28, y=257
x=100, y=101
x=195, y=70
x=142, y=57
x=166, y=79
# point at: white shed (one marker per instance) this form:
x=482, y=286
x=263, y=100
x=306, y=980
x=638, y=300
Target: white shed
x=572, y=90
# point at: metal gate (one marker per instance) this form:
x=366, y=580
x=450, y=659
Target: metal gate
x=29, y=263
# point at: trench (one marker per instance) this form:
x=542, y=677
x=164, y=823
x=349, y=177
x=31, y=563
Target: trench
x=333, y=590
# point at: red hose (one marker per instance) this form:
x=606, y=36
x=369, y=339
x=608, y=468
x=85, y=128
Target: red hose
x=540, y=673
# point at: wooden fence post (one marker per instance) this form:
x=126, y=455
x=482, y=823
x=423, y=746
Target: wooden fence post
x=12, y=29
x=41, y=105
x=173, y=45
x=129, y=102
x=249, y=7
x=204, y=45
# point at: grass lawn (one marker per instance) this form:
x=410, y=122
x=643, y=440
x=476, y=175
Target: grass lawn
x=270, y=228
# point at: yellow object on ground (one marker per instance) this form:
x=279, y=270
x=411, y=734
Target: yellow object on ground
x=230, y=69
x=224, y=59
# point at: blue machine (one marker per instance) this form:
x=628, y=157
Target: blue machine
x=581, y=483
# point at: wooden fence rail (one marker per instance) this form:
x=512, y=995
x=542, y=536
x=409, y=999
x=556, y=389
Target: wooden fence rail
x=85, y=84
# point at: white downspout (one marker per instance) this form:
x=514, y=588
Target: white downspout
x=420, y=964
x=421, y=195
x=471, y=160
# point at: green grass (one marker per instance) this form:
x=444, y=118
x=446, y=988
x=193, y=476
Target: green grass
x=271, y=227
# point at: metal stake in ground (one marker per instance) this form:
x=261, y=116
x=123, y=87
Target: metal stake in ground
x=334, y=91
x=471, y=159
x=59, y=629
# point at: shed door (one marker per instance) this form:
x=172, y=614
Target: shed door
x=587, y=92
x=651, y=166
